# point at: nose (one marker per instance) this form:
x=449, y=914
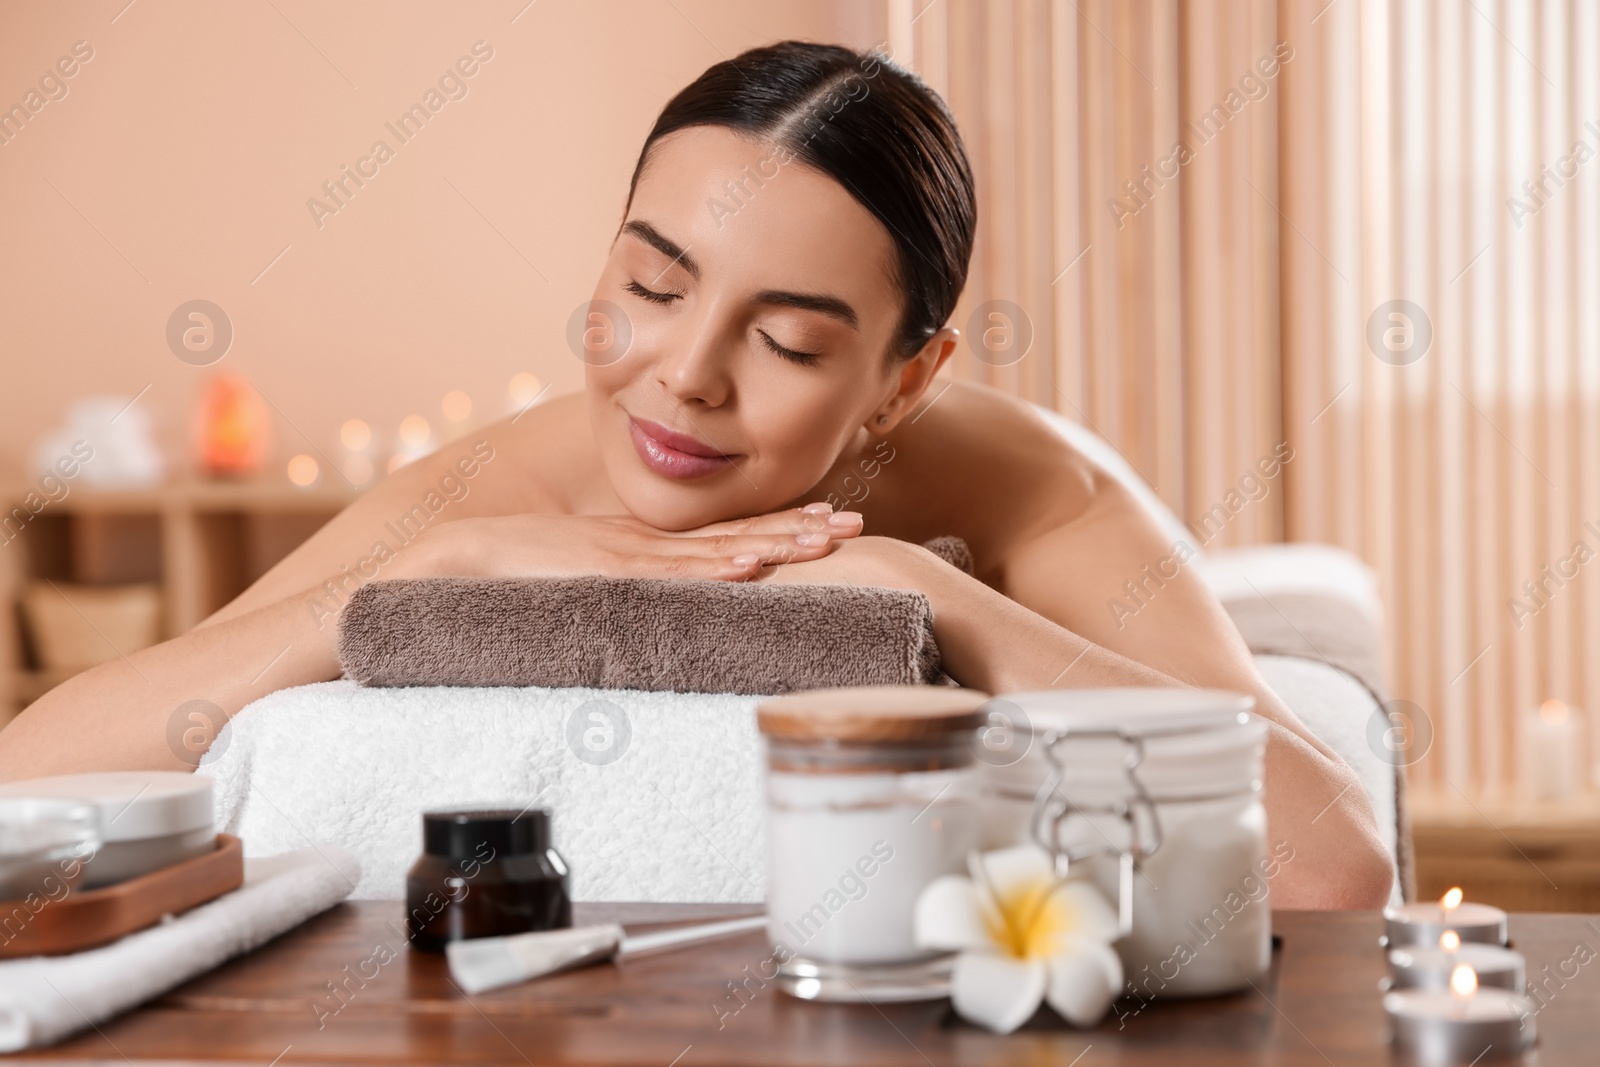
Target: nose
x=694, y=366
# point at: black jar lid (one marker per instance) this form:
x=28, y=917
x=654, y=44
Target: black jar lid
x=463, y=833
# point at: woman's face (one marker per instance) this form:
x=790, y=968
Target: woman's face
x=756, y=304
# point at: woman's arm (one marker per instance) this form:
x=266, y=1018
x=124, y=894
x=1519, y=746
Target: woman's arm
x=1051, y=624
x=138, y=712
x=1112, y=577
x=134, y=713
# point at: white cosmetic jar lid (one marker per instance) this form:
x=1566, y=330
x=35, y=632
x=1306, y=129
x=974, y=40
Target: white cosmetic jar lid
x=148, y=819
x=132, y=804
x=1190, y=743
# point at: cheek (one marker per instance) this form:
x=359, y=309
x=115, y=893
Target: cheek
x=797, y=430
x=605, y=381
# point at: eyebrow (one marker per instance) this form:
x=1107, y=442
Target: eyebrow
x=663, y=244
x=819, y=302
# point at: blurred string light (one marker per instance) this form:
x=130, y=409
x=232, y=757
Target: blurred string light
x=524, y=389
x=304, y=471
x=416, y=439
x=355, y=435
x=457, y=406
x=415, y=432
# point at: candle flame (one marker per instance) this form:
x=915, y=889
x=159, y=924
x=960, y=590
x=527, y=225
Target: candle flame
x=1553, y=712
x=1451, y=900
x=1450, y=941
x=1463, y=981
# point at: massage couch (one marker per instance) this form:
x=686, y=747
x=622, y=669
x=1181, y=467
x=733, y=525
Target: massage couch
x=657, y=796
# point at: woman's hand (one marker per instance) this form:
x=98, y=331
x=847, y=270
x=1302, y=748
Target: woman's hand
x=620, y=546
x=884, y=562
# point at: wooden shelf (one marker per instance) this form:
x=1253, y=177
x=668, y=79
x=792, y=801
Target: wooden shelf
x=1516, y=854
x=202, y=542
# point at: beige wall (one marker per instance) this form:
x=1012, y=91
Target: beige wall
x=180, y=161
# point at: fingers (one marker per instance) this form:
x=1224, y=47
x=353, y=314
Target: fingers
x=776, y=548
x=713, y=568
x=734, y=557
x=739, y=549
x=818, y=518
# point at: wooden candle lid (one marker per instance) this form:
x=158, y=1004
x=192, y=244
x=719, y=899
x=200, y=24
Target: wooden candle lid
x=872, y=714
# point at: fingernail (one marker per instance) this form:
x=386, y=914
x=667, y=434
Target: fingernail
x=845, y=518
x=819, y=508
x=747, y=560
x=811, y=539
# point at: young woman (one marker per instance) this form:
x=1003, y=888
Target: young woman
x=768, y=324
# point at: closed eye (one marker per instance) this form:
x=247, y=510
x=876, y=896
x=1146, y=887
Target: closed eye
x=650, y=294
x=803, y=358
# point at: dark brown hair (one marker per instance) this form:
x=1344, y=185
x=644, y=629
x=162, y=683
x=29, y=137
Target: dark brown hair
x=872, y=126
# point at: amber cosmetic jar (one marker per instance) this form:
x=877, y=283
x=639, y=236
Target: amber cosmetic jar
x=484, y=873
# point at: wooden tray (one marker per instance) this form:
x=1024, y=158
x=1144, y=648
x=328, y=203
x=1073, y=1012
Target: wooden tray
x=84, y=919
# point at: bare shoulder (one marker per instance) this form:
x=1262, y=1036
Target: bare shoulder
x=987, y=466
x=546, y=456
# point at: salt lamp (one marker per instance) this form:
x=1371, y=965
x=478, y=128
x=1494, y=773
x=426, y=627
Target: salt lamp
x=234, y=428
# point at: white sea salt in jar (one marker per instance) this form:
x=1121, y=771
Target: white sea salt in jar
x=1171, y=777
x=871, y=795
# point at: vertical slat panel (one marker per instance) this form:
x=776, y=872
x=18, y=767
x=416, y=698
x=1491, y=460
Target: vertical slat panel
x=1000, y=195
x=1586, y=252
x=1069, y=266
x=1555, y=309
x=1034, y=164
x=1376, y=285
x=1100, y=159
x=1451, y=577
x=1519, y=356
x=1267, y=396
x=1418, y=531
x=1169, y=427
x=1302, y=195
x=1345, y=473
x=1489, y=294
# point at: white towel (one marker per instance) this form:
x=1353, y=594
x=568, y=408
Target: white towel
x=656, y=796
x=663, y=804
x=46, y=998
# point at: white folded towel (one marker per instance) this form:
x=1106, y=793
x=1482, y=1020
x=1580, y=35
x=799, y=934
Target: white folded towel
x=45, y=998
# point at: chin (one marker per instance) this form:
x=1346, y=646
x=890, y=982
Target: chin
x=673, y=506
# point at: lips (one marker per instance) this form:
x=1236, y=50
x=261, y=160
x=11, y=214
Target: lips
x=674, y=454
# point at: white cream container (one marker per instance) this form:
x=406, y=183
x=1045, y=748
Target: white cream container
x=870, y=796
x=1201, y=922
x=147, y=819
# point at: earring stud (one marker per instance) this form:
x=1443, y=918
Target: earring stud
x=883, y=420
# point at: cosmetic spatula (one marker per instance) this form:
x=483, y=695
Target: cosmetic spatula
x=484, y=963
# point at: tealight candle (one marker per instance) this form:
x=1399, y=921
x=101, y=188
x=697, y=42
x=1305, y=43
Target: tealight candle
x=1423, y=924
x=1462, y=1023
x=1425, y=967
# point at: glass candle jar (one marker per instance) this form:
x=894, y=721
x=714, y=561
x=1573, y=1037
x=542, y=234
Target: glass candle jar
x=483, y=873
x=1169, y=777
x=870, y=796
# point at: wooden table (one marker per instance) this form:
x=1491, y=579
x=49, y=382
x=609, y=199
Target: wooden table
x=1319, y=1006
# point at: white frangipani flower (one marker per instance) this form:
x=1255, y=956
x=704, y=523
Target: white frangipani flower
x=1022, y=936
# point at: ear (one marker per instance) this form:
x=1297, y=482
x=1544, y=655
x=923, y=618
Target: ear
x=913, y=378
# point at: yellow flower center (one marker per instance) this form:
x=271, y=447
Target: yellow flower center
x=1032, y=920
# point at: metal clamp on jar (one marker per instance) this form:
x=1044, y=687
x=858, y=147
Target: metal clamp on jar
x=1155, y=795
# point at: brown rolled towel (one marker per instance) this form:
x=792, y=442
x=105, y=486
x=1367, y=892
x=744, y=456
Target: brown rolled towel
x=636, y=633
